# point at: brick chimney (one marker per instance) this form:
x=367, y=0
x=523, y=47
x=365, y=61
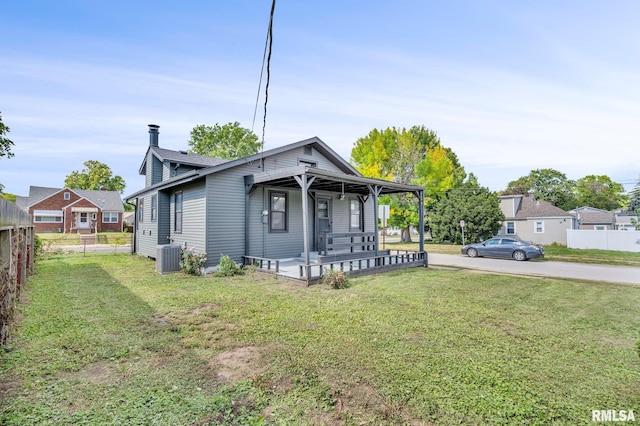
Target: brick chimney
x=153, y=134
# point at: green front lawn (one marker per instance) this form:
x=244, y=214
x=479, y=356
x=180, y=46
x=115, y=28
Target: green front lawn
x=105, y=340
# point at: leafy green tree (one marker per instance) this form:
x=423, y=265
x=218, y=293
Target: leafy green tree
x=95, y=175
x=549, y=185
x=475, y=204
x=600, y=192
x=7, y=196
x=230, y=141
x=5, y=142
x=413, y=156
x=634, y=198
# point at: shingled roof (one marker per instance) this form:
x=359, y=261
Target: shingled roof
x=105, y=200
x=530, y=207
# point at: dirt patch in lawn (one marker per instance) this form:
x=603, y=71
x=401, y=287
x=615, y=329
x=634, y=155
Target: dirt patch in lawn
x=239, y=364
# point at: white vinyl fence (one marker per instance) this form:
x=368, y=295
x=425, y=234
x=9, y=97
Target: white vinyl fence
x=603, y=240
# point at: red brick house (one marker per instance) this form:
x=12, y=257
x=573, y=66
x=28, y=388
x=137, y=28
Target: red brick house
x=73, y=210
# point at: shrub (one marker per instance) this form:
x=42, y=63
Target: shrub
x=228, y=267
x=335, y=279
x=191, y=262
x=37, y=246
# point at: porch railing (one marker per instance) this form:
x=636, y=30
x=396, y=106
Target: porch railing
x=350, y=241
x=261, y=262
x=397, y=260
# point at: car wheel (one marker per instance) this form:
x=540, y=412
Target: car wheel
x=519, y=255
x=472, y=252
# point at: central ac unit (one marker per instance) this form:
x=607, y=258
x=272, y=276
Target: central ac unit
x=168, y=258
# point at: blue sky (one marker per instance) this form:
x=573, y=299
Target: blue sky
x=509, y=86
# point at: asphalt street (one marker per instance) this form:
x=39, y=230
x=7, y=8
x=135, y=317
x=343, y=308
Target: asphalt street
x=581, y=271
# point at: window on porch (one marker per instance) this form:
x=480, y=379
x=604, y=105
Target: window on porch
x=278, y=211
x=355, y=215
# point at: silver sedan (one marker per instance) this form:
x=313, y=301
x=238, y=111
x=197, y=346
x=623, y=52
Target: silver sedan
x=507, y=247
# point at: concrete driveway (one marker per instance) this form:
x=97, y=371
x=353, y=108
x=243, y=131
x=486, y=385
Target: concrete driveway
x=581, y=271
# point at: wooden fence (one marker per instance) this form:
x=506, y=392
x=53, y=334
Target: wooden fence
x=16, y=261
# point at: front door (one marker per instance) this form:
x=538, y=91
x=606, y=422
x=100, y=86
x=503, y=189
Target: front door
x=82, y=220
x=323, y=221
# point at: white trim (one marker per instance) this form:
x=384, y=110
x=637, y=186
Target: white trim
x=84, y=209
x=48, y=212
x=535, y=226
x=109, y=215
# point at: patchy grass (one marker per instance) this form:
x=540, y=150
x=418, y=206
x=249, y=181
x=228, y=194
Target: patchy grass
x=105, y=340
x=552, y=252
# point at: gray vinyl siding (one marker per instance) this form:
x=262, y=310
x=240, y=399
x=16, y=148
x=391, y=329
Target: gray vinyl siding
x=291, y=158
x=194, y=226
x=262, y=242
x=154, y=170
x=226, y=211
x=555, y=230
x=226, y=215
x=147, y=231
x=164, y=218
x=170, y=170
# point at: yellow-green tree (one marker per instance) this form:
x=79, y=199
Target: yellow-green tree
x=407, y=156
x=96, y=176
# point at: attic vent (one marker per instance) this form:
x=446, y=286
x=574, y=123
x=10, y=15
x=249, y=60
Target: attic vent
x=183, y=152
x=308, y=150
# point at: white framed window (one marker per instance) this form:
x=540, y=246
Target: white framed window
x=355, y=215
x=177, y=212
x=511, y=228
x=109, y=217
x=154, y=207
x=278, y=208
x=600, y=227
x=538, y=227
x=67, y=196
x=47, y=216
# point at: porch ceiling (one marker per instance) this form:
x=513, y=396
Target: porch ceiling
x=326, y=180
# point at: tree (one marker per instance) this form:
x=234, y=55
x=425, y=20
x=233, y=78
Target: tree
x=634, y=198
x=413, y=156
x=95, y=175
x=549, y=185
x=600, y=192
x=229, y=141
x=476, y=205
x=7, y=196
x=5, y=142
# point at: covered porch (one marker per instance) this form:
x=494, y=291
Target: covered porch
x=354, y=252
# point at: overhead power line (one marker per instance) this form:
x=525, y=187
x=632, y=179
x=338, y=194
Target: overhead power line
x=266, y=59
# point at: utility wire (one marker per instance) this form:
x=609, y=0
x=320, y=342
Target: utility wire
x=266, y=57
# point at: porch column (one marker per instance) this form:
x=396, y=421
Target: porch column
x=375, y=191
x=305, y=184
x=420, y=195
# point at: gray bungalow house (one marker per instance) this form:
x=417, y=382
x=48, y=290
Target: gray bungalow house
x=535, y=220
x=294, y=210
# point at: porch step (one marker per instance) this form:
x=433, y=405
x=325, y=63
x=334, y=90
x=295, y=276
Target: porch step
x=83, y=231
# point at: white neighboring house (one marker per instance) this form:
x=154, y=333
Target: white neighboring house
x=625, y=221
x=594, y=219
x=535, y=220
